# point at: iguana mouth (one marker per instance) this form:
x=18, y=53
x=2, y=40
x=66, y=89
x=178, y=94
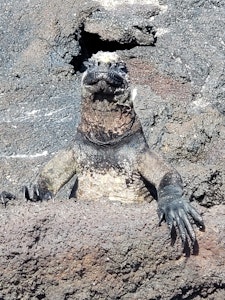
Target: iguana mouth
x=101, y=79
x=101, y=90
x=104, y=85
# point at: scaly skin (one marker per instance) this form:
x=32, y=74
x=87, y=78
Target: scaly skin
x=111, y=157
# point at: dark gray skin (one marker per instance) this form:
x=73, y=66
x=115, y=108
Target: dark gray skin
x=6, y=197
x=110, y=152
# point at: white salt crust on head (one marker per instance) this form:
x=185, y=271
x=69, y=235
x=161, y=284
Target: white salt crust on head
x=106, y=57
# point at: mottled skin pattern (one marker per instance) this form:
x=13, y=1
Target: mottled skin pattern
x=110, y=155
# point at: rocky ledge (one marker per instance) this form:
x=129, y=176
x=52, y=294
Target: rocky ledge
x=66, y=249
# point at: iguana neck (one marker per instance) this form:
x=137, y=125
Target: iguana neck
x=107, y=123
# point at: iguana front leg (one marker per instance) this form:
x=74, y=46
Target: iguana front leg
x=55, y=174
x=173, y=207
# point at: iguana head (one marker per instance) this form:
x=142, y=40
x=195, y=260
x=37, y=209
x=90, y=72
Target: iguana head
x=106, y=78
x=107, y=114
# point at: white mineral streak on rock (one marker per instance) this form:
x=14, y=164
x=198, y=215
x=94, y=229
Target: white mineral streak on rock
x=113, y=4
x=161, y=31
x=27, y=156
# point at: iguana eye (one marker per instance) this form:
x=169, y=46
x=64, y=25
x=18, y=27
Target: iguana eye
x=88, y=64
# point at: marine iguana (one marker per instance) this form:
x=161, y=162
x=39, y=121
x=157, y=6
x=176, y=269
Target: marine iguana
x=110, y=155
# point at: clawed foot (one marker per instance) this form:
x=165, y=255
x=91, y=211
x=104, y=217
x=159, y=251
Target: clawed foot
x=5, y=197
x=38, y=194
x=179, y=214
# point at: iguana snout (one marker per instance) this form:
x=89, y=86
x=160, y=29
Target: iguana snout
x=105, y=73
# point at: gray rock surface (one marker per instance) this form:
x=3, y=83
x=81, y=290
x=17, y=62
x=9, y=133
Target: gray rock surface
x=104, y=250
x=86, y=250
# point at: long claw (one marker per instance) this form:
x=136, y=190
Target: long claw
x=26, y=193
x=196, y=216
x=169, y=220
x=178, y=214
x=182, y=230
x=161, y=217
x=6, y=196
x=188, y=226
x=38, y=195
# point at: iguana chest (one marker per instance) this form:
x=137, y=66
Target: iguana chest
x=111, y=174
x=112, y=184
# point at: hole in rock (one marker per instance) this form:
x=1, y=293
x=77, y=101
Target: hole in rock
x=91, y=43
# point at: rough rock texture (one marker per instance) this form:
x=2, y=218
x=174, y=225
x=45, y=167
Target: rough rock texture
x=103, y=250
